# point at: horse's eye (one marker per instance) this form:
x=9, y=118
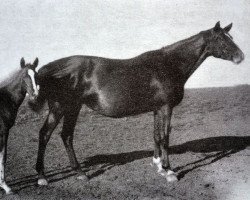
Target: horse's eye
x=216, y=37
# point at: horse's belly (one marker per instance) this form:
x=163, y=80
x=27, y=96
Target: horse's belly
x=122, y=104
x=125, y=98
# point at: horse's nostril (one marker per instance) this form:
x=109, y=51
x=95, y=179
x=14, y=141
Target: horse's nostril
x=242, y=56
x=33, y=96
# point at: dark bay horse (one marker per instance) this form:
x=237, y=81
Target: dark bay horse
x=151, y=82
x=12, y=94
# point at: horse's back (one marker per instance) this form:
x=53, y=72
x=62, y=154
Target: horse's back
x=66, y=66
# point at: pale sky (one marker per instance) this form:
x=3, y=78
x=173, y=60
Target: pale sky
x=52, y=29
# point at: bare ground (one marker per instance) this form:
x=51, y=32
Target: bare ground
x=209, y=150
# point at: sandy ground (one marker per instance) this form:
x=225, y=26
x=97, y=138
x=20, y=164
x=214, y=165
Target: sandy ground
x=210, y=149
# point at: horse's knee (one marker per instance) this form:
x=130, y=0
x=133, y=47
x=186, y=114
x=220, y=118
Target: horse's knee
x=43, y=137
x=157, y=138
x=51, y=119
x=169, y=128
x=66, y=139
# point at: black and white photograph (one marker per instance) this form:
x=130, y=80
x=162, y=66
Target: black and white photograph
x=124, y=99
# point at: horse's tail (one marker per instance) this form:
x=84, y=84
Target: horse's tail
x=38, y=103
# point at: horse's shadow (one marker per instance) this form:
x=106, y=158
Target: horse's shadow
x=214, y=149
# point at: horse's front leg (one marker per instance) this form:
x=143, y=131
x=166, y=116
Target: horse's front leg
x=3, y=157
x=162, y=131
x=157, y=139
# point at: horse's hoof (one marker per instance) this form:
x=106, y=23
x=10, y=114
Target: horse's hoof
x=171, y=176
x=42, y=181
x=83, y=177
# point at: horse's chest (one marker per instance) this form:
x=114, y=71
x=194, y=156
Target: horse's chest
x=166, y=92
x=8, y=116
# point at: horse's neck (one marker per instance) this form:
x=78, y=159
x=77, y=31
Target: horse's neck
x=187, y=54
x=16, y=88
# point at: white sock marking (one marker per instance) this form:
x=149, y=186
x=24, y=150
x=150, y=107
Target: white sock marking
x=171, y=176
x=42, y=181
x=170, y=172
x=157, y=162
x=2, y=178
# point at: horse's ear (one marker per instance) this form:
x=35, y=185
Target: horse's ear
x=217, y=26
x=228, y=28
x=22, y=63
x=35, y=63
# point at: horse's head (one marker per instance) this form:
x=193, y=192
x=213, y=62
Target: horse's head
x=221, y=44
x=29, y=77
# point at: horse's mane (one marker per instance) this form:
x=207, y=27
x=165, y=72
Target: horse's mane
x=173, y=46
x=10, y=78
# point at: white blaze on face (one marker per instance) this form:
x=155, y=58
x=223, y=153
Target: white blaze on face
x=31, y=73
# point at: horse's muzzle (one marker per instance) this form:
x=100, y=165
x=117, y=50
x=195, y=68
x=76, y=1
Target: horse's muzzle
x=33, y=97
x=238, y=57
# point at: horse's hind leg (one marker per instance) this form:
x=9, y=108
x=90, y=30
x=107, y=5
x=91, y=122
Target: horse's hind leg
x=3, y=157
x=70, y=118
x=53, y=118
